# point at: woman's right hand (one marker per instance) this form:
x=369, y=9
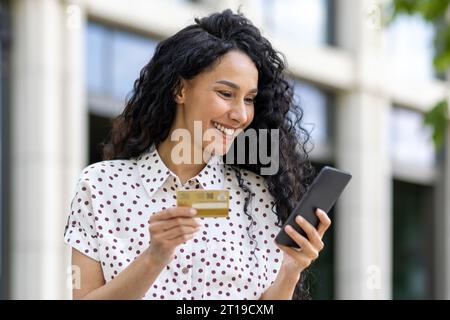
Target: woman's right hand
x=168, y=229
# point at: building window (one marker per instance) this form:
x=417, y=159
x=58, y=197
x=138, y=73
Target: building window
x=408, y=135
x=304, y=21
x=410, y=48
x=114, y=60
x=413, y=158
x=413, y=241
x=317, y=118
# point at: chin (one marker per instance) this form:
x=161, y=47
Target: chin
x=219, y=148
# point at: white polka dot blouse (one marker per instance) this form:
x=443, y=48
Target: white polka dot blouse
x=229, y=258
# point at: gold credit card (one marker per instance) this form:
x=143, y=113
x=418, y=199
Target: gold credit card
x=208, y=203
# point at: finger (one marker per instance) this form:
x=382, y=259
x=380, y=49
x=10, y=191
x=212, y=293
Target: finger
x=173, y=212
x=302, y=242
x=181, y=239
x=293, y=252
x=164, y=225
x=325, y=222
x=311, y=232
x=297, y=255
x=176, y=232
x=305, y=245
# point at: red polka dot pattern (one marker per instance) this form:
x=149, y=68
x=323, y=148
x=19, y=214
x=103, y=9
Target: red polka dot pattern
x=109, y=223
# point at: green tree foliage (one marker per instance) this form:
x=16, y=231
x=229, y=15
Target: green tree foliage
x=437, y=13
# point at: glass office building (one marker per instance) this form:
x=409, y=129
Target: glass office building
x=349, y=78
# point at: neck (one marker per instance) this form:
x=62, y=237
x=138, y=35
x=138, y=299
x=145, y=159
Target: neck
x=184, y=171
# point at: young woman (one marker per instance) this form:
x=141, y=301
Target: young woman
x=129, y=239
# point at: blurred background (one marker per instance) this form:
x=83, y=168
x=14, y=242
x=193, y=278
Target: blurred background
x=368, y=83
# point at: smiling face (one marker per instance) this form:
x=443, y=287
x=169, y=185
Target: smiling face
x=222, y=99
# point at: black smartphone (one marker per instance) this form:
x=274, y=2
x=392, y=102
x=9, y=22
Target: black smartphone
x=322, y=193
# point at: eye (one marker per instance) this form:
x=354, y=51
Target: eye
x=226, y=94
x=250, y=100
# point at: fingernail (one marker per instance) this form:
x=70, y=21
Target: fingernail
x=299, y=218
x=192, y=211
x=288, y=228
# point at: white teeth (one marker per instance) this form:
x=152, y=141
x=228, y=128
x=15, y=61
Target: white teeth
x=227, y=131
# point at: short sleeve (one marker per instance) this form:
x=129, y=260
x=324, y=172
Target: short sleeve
x=80, y=231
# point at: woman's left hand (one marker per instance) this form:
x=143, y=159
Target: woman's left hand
x=296, y=260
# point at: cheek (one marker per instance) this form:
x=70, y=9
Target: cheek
x=250, y=115
x=209, y=107
x=215, y=107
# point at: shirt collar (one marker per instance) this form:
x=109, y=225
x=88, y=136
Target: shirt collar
x=154, y=173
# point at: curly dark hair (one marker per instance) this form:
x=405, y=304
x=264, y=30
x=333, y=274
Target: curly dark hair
x=197, y=48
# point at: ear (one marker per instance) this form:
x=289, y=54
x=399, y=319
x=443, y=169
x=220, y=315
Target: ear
x=180, y=94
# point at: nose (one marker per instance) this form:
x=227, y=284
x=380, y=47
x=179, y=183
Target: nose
x=238, y=113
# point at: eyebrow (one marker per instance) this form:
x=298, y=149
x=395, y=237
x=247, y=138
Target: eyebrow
x=234, y=85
